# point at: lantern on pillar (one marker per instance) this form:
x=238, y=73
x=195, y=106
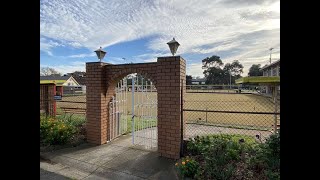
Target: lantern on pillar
x=100, y=53
x=173, y=45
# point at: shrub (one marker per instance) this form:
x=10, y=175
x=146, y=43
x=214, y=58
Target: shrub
x=266, y=159
x=72, y=119
x=54, y=132
x=199, y=145
x=233, y=157
x=188, y=167
x=219, y=156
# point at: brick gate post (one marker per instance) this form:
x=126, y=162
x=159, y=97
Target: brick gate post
x=171, y=72
x=96, y=103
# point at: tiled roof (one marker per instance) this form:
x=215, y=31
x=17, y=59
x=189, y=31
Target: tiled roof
x=54, y=77
x=270, y=65
x=80, y=80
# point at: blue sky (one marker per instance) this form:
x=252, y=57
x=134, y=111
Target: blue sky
x=244, y=30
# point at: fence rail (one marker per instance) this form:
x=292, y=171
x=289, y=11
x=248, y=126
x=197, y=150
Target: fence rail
x=236, y=112
x=251, y=113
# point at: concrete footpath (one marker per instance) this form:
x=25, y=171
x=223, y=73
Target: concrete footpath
x=115, y=160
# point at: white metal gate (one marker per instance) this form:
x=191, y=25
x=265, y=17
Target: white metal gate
x=144, y=118
x=142, y=121
x=118, y=111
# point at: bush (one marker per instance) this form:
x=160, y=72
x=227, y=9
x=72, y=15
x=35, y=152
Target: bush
x=72, y=119
x=220, y=154
x=188, y=167
x=56, y=131
x=199, y=145
x=227, y=156
x=266, y=159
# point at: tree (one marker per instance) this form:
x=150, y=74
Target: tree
x=213, y=71
x=188, y=79
x=213, y=61
x=215, y=74
x=47, y=71
x=255, y=70
x=235, y=68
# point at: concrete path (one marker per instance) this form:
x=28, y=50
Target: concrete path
x=115, y=160
x=193, y=130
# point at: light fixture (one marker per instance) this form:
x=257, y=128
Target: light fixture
x=173, y=45
x=100, y=53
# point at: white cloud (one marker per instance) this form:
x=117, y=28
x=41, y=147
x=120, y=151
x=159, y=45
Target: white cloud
x=46, y=45
x=75, y=44
x=90, y=23
x=82, y=55
x=150, y=60
x=243, y=29
x=195, y=70
x=63, y=69
x=149, y=57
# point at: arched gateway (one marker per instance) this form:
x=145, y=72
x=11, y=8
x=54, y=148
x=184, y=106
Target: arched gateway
x=168, y=74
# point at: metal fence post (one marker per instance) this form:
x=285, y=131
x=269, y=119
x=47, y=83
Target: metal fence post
x=54, y=101
x=275, y=109
x=207, y=115
x=132, y=104
x=181, y=144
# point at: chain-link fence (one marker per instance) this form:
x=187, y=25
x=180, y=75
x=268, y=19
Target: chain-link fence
x=72, y=105
x=247, y=111
x=243, y=110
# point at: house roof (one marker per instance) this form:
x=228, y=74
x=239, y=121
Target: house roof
x=80, y=80
x=54, y=78
x=270, y=65
x=58, y=80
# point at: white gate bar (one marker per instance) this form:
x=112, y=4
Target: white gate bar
x=142, y=115
x=132, y=111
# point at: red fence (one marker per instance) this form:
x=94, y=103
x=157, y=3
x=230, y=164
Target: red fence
x=47, y=102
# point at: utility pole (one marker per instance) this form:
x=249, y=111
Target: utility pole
x=230, y=78
x=270, y=54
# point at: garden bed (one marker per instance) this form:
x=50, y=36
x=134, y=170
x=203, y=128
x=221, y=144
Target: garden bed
x=61, y=132
x=228, y=156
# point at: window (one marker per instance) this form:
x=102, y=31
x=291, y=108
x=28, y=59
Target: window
x=69, y=84
x=265, y=73
x=274, y=72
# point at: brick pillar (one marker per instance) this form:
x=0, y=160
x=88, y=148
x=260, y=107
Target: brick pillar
x=170, y=74
x=96, y=103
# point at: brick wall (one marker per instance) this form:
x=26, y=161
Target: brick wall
x=168, y=74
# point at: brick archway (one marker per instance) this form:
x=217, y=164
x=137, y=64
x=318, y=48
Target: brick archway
x=168, y=74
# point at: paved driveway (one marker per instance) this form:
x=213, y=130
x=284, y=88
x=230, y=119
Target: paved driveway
x=115, y=160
